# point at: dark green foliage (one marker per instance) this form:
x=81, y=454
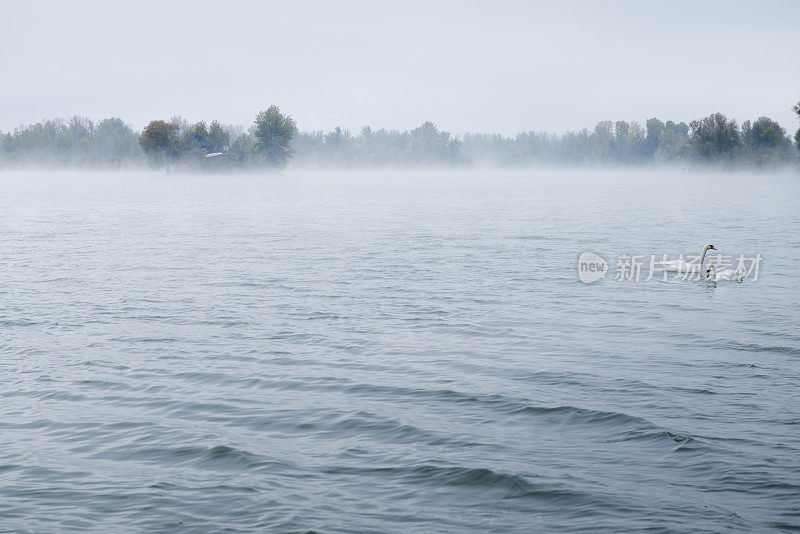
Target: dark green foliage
x=796, y=109
x=764, y=133
x=672, y=142
x=273, y=133
x=209, y=148
x=161, y=143
x=765, y=142
x=714, y=139
x=651, y=141
x=194, y=140
x=218, y=136
x=273, y=140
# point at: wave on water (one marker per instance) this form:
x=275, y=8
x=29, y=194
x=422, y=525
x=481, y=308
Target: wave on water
x=387, y=354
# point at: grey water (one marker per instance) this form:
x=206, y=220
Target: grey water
x=395, y=352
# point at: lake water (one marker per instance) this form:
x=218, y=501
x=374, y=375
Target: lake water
x=395, y=352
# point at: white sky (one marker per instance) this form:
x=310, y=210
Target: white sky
x=503, y=66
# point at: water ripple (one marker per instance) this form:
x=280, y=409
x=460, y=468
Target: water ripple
x=392, y=354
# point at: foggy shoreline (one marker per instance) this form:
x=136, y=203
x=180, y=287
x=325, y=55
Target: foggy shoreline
x=274, y=143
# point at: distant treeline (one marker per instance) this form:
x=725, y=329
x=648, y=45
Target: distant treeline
x=75, y=142
x=273, y=141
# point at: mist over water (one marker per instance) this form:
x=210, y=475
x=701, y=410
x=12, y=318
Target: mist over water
x=394, y=352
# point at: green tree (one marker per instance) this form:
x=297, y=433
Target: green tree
x=244, y=146
x=680, y=128
x=714, y=139
x=671, y=141
x=115, y=142
x=669, y=145
x=78, y=137
x=634, y=141
x=194, y=138
x=764, y=133
x=796, y=109
x=765, y=142
x=273, y=133
x=218, y=136
x=651, y=140
x=427, y=145
x=161, y=143
x=602, y=141
x=621, y=131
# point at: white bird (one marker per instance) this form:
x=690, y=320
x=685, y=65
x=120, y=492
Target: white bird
x=688, y=267
x=723, y=274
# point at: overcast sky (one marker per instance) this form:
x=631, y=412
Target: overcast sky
x=503, y=66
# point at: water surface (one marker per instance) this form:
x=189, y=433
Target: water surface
x=394, y=352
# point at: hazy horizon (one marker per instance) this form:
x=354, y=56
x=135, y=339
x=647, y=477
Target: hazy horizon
x=226, y=306
x=465, y=66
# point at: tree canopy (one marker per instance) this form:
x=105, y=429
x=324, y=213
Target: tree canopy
x=796, y=109
x=765, y=141
x=73, y=142
x=273, y=139
x=161, y=143
x=714, y=139
x=273, y=133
